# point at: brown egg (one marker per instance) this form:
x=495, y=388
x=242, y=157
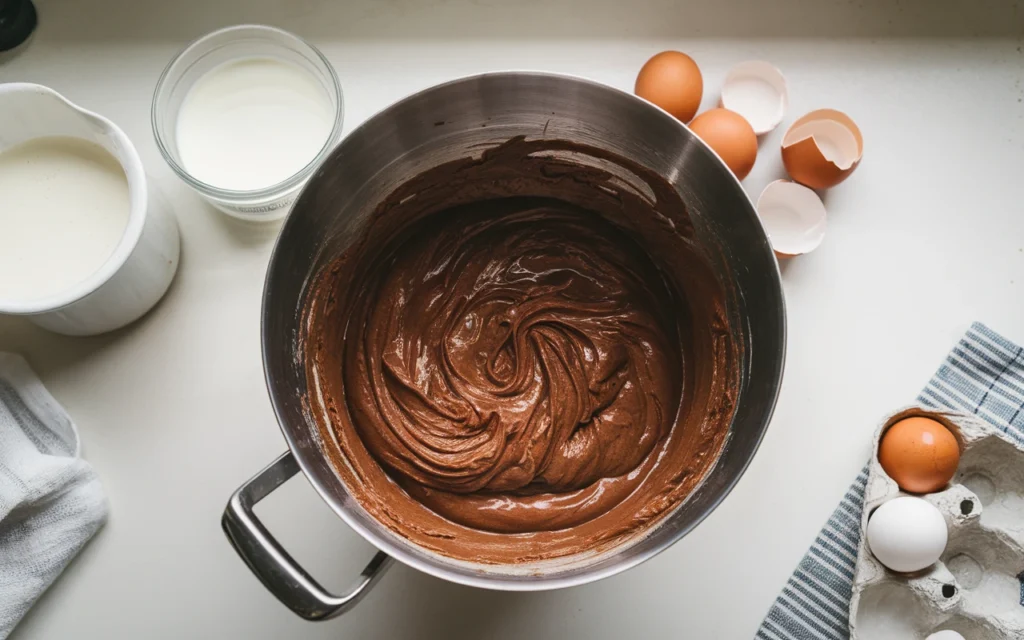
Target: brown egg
x=731, y=137
x=822, y=149
x=920, y=454
x=672, y=81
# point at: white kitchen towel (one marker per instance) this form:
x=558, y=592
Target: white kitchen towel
x=983, y=375
x=51, y=501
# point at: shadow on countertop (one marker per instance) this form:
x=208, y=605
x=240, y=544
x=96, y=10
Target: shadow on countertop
x=354, y=20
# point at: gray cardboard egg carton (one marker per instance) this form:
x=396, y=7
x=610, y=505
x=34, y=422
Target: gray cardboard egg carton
x=975, y=588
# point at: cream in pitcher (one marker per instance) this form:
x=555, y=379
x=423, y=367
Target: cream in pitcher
x=86, y=245
x=65, y=208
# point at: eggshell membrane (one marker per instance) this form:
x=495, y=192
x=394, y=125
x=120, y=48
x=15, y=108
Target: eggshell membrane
x=920, y=454
x=793, y=217
x=730, y=136
x=757, y=91
x=822, y=149
x=673, y=81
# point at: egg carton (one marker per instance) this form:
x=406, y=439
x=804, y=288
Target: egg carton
x=976, y=587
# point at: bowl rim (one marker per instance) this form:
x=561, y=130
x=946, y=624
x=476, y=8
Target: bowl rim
x=340, y=504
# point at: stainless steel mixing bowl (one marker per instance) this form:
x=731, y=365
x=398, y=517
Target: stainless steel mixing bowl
x=452, y=121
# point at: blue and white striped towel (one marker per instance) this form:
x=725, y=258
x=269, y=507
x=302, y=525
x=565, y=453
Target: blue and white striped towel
x=984, y=375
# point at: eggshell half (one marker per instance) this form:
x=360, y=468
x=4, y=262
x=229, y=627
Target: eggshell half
x=822, y=148
x=793, y=216
x=757, y=91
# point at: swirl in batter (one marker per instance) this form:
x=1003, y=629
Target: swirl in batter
x=510, y=355
x=508, y=373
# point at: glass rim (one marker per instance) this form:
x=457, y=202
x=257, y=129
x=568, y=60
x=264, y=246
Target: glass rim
x=289, y=183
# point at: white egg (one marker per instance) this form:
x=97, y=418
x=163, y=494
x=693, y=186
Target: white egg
x=945, y=634
x=907, y=534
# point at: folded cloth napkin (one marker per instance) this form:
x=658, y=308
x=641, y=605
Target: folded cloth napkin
x=51, y=502
x=983, y=375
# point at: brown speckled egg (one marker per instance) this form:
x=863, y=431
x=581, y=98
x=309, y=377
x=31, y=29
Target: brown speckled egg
x=672, y=81
x=731, y=136
x=920, y=454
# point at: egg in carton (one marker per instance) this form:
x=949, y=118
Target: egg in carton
x=976, y=588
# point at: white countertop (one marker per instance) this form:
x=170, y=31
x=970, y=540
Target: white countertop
x=925, y=237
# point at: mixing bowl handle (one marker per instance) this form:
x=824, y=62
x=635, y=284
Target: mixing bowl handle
x=275, y=568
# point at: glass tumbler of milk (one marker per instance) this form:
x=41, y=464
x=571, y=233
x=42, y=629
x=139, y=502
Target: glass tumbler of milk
x=244, y=116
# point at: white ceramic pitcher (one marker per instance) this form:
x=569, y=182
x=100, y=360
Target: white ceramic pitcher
x=142, y=265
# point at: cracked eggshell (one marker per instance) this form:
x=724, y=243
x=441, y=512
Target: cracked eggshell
x=822, y=149
x=757, y=91
x=793, y=217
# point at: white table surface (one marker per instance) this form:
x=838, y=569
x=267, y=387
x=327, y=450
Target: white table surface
x=925, y=237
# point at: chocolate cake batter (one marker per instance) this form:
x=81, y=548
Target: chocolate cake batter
x=525, y=357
